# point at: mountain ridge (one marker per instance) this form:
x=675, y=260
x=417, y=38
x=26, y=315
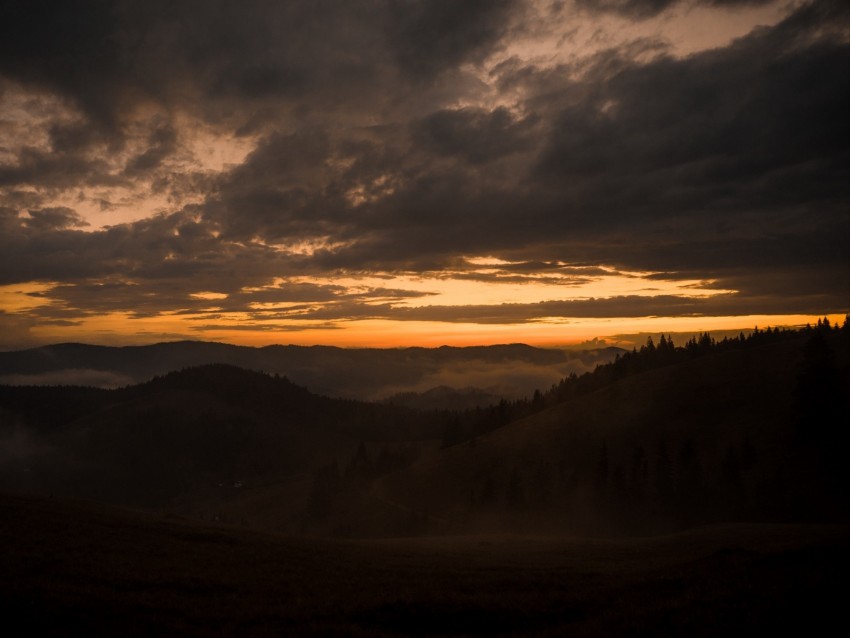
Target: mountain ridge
x=660, y=439
x=365, y=373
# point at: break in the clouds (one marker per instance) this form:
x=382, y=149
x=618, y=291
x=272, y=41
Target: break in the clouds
x=193, y=168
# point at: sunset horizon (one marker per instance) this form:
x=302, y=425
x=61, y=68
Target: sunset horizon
x=372, y=174
x=607, y=333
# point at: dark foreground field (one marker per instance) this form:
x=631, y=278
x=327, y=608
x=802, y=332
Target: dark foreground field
x=80, y=569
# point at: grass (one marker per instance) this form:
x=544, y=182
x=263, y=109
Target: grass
x=73, y=568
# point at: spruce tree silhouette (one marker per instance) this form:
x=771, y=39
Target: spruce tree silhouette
x=818, y=390
x=663, y=477
x=516, y=493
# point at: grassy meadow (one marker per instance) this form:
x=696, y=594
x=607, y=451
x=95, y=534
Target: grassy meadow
x=76, y=568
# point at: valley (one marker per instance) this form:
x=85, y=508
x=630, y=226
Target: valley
x=670, y=491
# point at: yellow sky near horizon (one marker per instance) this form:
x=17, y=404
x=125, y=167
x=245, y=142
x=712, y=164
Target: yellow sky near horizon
x=48, y=318
x=119, y=329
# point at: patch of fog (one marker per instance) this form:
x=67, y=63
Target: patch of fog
x=509, y=379
x=70, y=376
x=17, y=444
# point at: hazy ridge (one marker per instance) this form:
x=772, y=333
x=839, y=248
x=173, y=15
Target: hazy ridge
x=370, y=373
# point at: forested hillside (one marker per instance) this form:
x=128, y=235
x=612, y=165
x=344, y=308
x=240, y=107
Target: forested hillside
x=662, y=438
x=753, y=428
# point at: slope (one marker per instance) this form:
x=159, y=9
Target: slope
x=727, y=436
x=191, y=439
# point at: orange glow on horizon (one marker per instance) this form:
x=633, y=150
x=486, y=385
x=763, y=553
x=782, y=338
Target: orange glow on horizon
x=118, y=329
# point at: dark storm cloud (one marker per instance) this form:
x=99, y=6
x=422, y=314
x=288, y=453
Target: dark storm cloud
x=54, y=170
x=613, y=307
x=162, y=264
x=700, y=136
x=729, y=304
x=162, y=142
x=504, y=278
x=729, y=164
x=473, y=134
x=735, y=3
x=543, y=266
x=630, y=8
x=280, y=191
x=178, y=245
x=54, y=218
x=642, y=9
x=107, y=54
x=741, y=152
x=72, y=48
x=148, y=298
x=429, y=36
x=240, y=67
x=742, y=147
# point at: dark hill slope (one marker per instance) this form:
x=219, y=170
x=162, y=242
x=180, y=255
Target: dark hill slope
x=727, y=436
x=199, y=434
x=748, y=430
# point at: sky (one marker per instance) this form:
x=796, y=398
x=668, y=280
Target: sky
x=420, y=172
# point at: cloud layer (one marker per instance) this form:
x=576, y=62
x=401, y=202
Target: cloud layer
x=153, y=153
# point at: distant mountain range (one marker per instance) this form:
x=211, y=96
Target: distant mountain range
x=508, y=371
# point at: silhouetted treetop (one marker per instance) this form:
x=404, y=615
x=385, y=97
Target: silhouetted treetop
x=651, y=356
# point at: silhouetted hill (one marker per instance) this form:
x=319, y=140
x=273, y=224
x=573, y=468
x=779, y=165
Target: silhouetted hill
x=663, y=438
x=733, y=433
x=356, y=373
x=190, y=436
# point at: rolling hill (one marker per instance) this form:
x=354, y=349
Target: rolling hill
x=731, y=434
x=191, y=437
x=662, y=439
